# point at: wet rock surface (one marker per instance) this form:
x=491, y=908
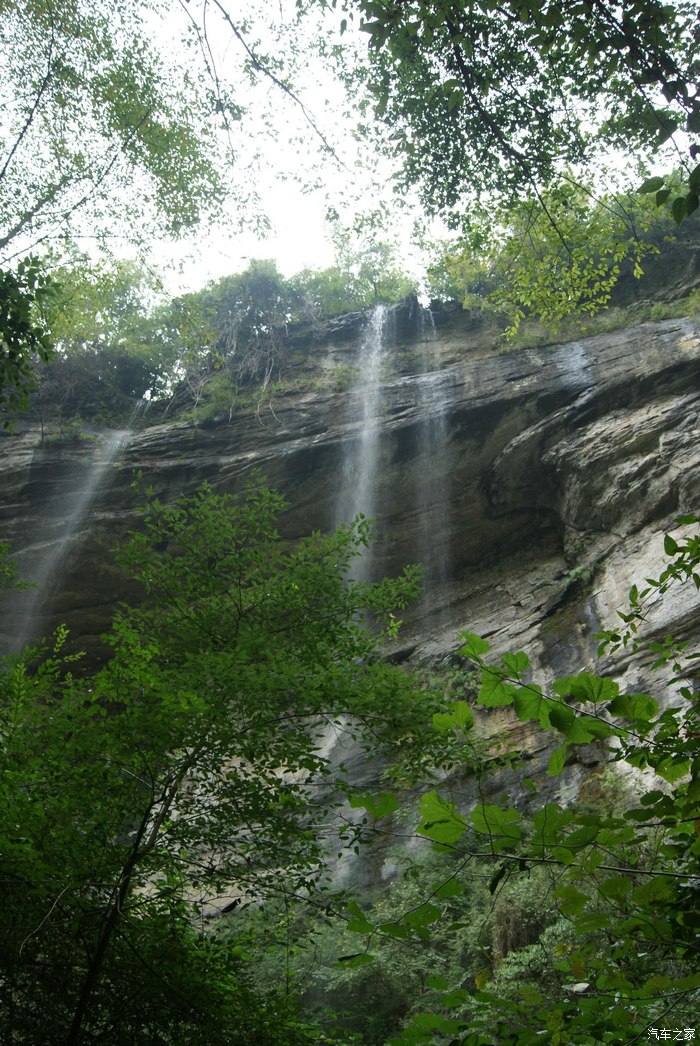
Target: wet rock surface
x=535, y=484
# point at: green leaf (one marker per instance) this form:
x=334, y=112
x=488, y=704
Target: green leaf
x=377, y=806
x=589, y=922
x=501, y=825
x=694, y=186
x=557, y=761
x=529, y=703
x=440, y=820
x=672, y=768
x=561, y=717
x=586, y=687
x=459, y=717
x=355, y=959
x=651, y=185
x=639, y=708
x=548, y=824
x=450, y=888
x=615, y=888
x=473, y=646
x=358, y=923
x=440, y=984
x=583, y=836
x=678, y=210
x=423, y=916
x=394, y=929
x=571, y=900
x=494, y=691
x=516, y=664
x=653, y=891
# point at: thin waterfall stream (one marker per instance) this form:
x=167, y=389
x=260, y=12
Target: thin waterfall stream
x=433, y=483
x=359, y=469
x=47, y=560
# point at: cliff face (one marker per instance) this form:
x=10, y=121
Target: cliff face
x=535, y=485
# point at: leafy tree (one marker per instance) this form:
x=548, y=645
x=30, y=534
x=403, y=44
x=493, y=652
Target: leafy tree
x=94, y=131
x=481, y=96
x=94, y=124
x=184, y=776
x=24, y=333
x=557, y=255
x=109, y=344
x=627, y=878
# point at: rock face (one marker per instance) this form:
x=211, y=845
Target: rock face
x=535, y=485
x=513, y=477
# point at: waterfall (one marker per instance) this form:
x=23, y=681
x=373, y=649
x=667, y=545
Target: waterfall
x=359, y=466
x=433, y=476
x=48, y=559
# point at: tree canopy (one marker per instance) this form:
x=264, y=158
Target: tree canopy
x=498, y=97
x=187, y=776
x=96, y=129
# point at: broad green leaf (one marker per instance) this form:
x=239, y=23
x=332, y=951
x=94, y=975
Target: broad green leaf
x=459, y=717
x=501, y=825
x=423, y=916
x=394, y=929
x=516, y=664
x=586, y=687
x=597, y=728
x=651, y=185
x=583, y=836
x=685, y=983
x=548, y=824
x=440, y=820
x=636, y=707
x=494, y=691
x=380, y=805
x=672, y=769
x=571, y=900
x=576, y=730
x=434, y=1022
x=450, y=888
x=652, y=891
x=562, y=718
x=529, y=703
x=616, y=887
x=473, y=646
x=589, y=922
x=657, y=985
x=359, y=922
x=455, y=998
x=355, y=959
x=557, y=761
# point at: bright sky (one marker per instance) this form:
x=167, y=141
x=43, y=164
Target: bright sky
x=277, y=151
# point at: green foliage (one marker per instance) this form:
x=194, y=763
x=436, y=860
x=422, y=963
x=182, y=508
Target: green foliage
x=591, y=934
x=356, y=284
x=98, y=125
x=234, y=333
x=109, y=349
x=480, y=97
x=181, y=776
x=9, y=574
x=557, y=255
x=427, y=956
x=678, y=194
x=25, y=340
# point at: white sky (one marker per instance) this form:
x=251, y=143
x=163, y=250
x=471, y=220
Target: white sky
x=280, y=154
